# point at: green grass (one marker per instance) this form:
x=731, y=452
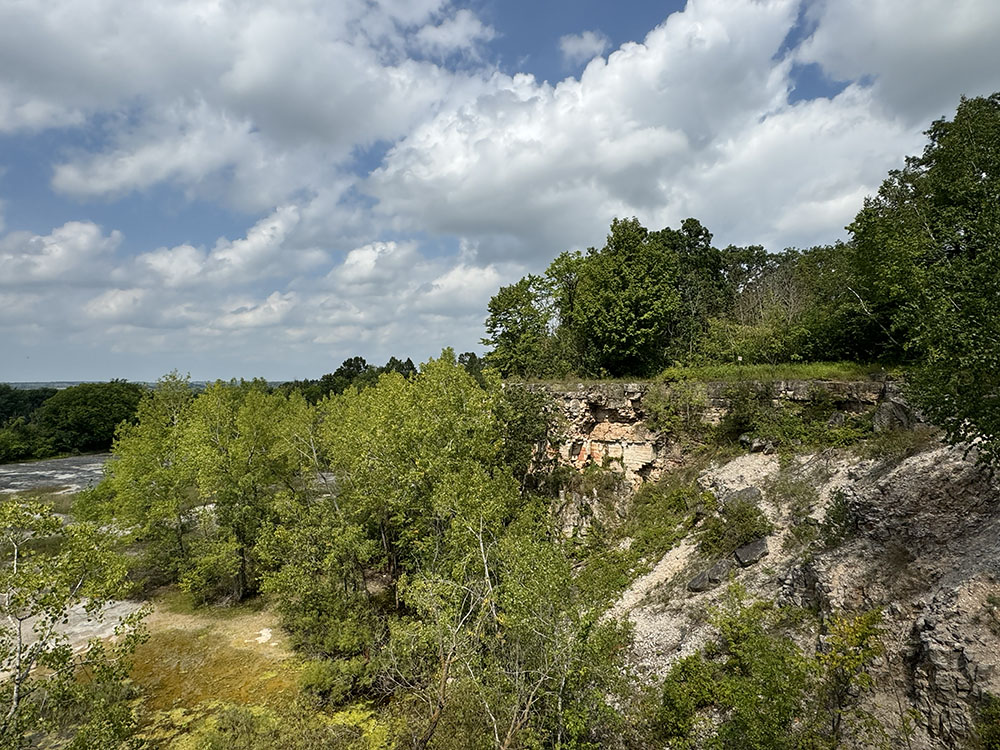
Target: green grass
x=732, y=372
x=179, y=602
x=53, y=496
x=786, y=371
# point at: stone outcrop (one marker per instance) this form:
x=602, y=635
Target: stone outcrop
x=606, y=422
x=921, y=543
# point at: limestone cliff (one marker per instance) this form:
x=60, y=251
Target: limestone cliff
x=921, y=543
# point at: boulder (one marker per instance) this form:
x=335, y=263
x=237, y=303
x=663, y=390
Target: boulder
x=750, y=553
x=700, y=583
x=720, y=571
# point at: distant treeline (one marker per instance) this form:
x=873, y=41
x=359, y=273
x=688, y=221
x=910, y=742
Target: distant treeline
x=41, y=422
x=83, y=418
x=355, y=372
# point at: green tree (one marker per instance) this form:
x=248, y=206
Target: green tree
x=151, y=479
x=50, y=568
x=21, y=402
x=518, y=328
x=84, y=417
x=240, y=459
x=626, y=300
x=926, y=252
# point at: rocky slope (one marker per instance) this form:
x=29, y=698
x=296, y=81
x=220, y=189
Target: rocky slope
x=919, y=539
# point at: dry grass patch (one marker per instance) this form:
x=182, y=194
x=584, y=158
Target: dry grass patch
x=232, y=654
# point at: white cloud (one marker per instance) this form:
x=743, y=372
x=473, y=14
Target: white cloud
x=270, y=108
x=922, y=54
x=116, y=304
x=580, y=48
x=77, y=253
x=460, y=33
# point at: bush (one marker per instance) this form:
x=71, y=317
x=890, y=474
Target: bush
x=754, y=687
x=738, y=522
x=332, y=681
x=789, y=426
x=986, y=732
x=676, y=408
x=661, y=513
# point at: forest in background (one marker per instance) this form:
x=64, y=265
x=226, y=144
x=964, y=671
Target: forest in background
x=400, y=523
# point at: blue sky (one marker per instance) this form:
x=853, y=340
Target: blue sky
x=262, y=188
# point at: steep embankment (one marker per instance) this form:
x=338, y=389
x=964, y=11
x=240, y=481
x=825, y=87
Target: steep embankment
x=913, y=532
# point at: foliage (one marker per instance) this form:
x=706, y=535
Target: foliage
x=517, y=328
x=84, y=417
x=429, y=577
x=986, y=731
x=753, y=415
x=354, y=372
x=676, y=408
x=766, y=691
x=730, y=372
x=21, y=402
x=839, y=521
x=220, y=725
x=926, y=254
x=662, y=513
x=152, y=478
x=50, y=569
x=21, y=439
x=738, y=522
x=896, y=445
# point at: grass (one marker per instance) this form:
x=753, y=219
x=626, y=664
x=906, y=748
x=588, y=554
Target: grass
x=785, y=371
x=213, y=654
x=53, y=496
x=733, y=372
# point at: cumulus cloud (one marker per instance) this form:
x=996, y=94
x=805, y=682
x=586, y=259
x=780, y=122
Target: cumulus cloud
x=395, y=178
x=463, y=32
x=922, y=54
x=579, y=48
x=77, y=253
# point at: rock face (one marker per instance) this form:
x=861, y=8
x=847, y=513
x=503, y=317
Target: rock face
x=605, y=422
x=919, y=540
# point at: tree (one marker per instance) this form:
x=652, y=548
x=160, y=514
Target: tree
x=426, y=575
x=151, y=477
x=240, y=458
x=84, y=417
x=625, y=301
x=927, y=254
x=21, y=402
x=518, y=328
x=51, y=568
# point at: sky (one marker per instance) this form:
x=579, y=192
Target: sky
x=240, y=188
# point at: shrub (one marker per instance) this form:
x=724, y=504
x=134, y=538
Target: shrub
x=986, y=732
x=738, y=522
x=332, y=681
x=676, y=408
